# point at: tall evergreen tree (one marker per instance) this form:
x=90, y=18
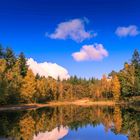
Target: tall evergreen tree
x=23, y=64
x=136, y=59
x=14, y=83
x=37, y=77
x=10, y=57
x=136, y=62
x=127, y=80
x=1, y=52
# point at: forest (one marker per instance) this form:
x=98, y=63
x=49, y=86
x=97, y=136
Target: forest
x=19, y=85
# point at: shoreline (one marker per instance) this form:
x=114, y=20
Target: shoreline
x=82, y=102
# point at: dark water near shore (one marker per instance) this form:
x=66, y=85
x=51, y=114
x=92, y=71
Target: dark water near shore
x=71, y=123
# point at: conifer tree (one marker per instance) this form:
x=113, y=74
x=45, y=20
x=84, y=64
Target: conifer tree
x=14, y=83
x=10, y=57
x=22, y=64
x=1, y=52
x=136, y=63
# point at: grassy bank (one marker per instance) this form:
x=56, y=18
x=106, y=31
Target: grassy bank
x=82, y=102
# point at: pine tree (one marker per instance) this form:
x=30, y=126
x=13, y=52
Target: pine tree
x=23, y=64
x=136, y=59
x=14, y=83
x=136, y=63
x=10, y=57
x=37, y=77
x=127, y=80
x=1, y=52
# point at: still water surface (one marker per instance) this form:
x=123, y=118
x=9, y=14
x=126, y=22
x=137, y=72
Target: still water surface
x=71, y=123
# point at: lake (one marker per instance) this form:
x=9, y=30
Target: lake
x=71, y=123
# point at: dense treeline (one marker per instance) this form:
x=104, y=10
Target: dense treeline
x=18, y=84
x=27, y=124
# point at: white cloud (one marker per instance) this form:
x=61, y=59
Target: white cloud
x=48, y=69
x=72, y=29
x=131, y=30
x=90, y=52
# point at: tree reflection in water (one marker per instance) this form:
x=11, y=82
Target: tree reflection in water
x=55, y=123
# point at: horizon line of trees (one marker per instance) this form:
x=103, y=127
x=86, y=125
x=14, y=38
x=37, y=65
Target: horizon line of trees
x=18, y=84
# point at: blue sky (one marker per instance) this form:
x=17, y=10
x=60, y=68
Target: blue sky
x=27, y=25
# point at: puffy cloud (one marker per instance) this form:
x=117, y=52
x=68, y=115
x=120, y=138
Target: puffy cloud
x=48, y=69
x=131, y=30
x=55, y=134
x=90, y=52
x=72, y=29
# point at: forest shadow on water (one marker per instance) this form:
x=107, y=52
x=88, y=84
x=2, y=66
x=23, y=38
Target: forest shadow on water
x=71, y=123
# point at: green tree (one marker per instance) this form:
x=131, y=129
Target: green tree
x=22, y=64
x=10, y=57
x=1, y=52
x=127, y=80
x=14, y=83
x=37, y=77
x=136, y=63
x=136, y=59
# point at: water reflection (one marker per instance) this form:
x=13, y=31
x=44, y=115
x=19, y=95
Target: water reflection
x=94, y=133
x=71, y=122
x=56, y=134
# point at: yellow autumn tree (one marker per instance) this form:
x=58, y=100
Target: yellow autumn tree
x=115, y=87
x=42, y=89
x=104, y=83
x=95, y=92
x=60, y=90
x=28, y=88
x=52, y=85
x=2, y=65
x=105, y=86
